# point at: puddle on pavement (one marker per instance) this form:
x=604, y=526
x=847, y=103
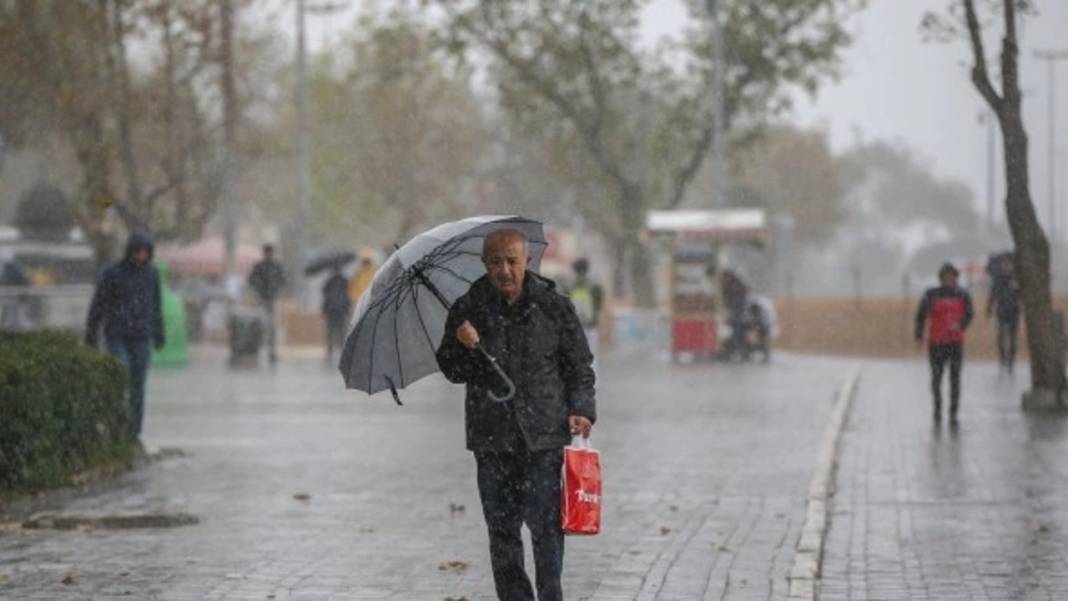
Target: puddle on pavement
x=109, y=522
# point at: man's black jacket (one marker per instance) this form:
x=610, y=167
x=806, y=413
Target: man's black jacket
x=539, y=342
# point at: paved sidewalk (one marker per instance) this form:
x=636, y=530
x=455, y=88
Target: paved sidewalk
x=927, y=512
x=706, y=470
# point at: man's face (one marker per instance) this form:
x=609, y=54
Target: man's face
x=506, y=264
x=949, y=280
x=140, y=256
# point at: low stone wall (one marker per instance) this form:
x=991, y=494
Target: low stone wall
x=876, y=327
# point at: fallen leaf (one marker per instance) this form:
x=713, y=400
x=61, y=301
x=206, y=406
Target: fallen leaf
x=302, y=496
x=69, y=579
x=673, y=508
x=456, y=566
x=664, y=531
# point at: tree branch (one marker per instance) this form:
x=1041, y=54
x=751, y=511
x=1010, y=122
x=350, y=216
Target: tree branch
x=528, y=73
x=980, y=73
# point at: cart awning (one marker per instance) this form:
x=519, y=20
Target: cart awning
x=717, y=225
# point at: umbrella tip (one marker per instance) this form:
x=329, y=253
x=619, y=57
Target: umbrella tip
x=393, y=391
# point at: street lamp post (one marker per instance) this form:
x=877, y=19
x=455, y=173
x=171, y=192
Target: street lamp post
x=303, y=178
x=720, y=185
x=1052, y=57
x=300, y=233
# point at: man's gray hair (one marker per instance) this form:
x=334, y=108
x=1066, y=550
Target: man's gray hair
x=502, y=235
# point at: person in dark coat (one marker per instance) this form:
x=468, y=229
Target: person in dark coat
x=336, y=308
x=127, y=303
x=538, y=339
x=268, y=279
x=1004, y=304
x=947, y=311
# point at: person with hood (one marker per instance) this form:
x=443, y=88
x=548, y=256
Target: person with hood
x=537, y=338
x=267, y=279
x=127, y=304
x=336, y=307
x=947, y=311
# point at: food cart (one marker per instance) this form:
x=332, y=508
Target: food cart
x=696, y=241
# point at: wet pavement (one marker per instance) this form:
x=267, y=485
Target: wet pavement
x=706, y=469
x=932, y=512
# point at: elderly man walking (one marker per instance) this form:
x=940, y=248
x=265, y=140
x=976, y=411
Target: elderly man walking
x=538, y=339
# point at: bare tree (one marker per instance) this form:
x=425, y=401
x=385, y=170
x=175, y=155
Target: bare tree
x=965, y=19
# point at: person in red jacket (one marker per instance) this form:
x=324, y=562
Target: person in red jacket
x=947, y=311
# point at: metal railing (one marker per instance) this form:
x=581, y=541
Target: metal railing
x=62, y=307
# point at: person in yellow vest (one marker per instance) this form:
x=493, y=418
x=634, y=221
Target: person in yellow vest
x=588, y=298
x=363, y=276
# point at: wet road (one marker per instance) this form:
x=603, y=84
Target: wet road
x=706, y=469
x=924, y=512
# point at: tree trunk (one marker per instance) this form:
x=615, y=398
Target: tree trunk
x=641, y=277
x=1033, y=257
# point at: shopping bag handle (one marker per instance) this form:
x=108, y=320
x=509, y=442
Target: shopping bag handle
x=578, y=441
x=500, y=372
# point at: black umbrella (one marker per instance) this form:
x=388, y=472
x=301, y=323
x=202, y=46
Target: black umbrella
x=331, y=260
x=400, y=320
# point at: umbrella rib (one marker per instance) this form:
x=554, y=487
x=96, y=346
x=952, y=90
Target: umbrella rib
x=374, y=334
x=453, y=273
x=422, y=324
x=396, y=333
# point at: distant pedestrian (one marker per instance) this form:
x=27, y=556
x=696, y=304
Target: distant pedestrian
x=947, y=311
x=534, y=332
x=363, y=277
x=127, y=303
x=268, y=279
x=336, y=307
x=736, y=301
x=14, y=313
x=588, y=298
x=1004, y=303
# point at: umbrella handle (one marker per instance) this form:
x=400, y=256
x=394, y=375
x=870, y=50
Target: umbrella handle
x=500, y=372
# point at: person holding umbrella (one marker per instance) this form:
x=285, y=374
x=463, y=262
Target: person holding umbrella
x=336, y=308
x=537, y=339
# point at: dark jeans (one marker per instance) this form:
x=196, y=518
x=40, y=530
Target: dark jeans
x=1008, y=329
x=335, y=334
x=940, y=355
x=134, y=354
x=517, y=488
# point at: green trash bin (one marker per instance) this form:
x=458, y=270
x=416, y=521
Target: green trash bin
x=176, y=352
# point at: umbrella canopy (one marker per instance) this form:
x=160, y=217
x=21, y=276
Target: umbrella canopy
x=329, y=260
x=400, y=320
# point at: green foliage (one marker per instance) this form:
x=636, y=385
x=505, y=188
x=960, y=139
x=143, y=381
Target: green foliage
x=64, y=410
x=397, y=132
x=43, y=213
x=792, y=172
x=575, y=73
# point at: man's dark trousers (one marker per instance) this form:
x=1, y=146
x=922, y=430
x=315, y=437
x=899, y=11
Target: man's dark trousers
x=1008, y=328
x=518, y=487
x=134, y=354
x=940, y=355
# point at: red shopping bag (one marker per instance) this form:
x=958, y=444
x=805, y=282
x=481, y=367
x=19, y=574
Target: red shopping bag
x=580, y=504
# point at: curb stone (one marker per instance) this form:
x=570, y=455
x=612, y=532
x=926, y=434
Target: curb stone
x=805, y=574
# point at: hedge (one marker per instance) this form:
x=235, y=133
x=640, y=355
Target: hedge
x=63, y=410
